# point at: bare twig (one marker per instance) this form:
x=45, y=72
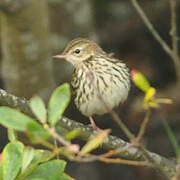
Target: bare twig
x=124, y=161
x=173, y=33
x=173, y=53
x=143, y=127
x=151, y=28
x=56, y=136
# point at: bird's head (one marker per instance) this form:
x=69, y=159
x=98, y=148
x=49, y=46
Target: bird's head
x=79, y=50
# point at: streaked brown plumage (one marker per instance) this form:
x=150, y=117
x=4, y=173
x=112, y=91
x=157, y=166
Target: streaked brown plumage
x=96, y=73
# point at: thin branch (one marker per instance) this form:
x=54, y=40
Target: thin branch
x=124, y=128
x=114, y=115
x=124, y=161
x=151, y=28
x=173, y=53
x=143, y=127
x=111, y=142
x=173, y=33
x=56, y=136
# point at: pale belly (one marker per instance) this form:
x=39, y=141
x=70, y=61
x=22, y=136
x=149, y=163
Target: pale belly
x=92, y=100
x=113, y=88
x=96, y=105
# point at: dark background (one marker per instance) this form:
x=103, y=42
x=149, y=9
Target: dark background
x=117, y=27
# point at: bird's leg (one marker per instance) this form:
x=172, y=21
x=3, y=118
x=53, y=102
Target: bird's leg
x=93, y=124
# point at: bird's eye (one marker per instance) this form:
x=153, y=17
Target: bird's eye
x=77, y=51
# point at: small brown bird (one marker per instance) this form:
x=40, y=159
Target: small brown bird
x=99, y=80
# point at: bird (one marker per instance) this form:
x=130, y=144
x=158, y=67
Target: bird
x=100, y=81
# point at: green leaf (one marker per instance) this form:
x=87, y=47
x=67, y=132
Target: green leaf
x=1, y=172
x=140, y=80
x=73, y=134
x=51, y=170
x=38, y=108
x=66, y=177
x=36, y=157
x=41, y=156
x=12, y=118
x=12, y=160
x=12, y=135
x=58, y=103
x=37, y=179
x=94, y=142
x=28, y=156
x=36, y=132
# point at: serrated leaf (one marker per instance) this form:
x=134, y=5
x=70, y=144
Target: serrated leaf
x=38, y=108
x=140, y=80
x=36, y=132
x=94, y=142
x=58, y=103
x=12, y=160
x=12, y=118
x=28, y=156
x=51, y=170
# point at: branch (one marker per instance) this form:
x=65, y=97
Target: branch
x=151, y=28
x=173, y=33
x=112, y=142
x=173, y=53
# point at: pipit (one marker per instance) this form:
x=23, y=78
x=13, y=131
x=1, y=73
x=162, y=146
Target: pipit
x=100, y=82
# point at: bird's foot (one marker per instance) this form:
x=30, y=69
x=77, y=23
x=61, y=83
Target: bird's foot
x=93, y=124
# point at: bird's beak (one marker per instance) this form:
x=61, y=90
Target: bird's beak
x=61, y=56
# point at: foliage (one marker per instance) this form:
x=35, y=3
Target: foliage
x=20, y=162
x=150, y=101
x=23, y=162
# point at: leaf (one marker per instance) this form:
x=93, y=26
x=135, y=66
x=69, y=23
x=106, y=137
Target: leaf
x=140, y=80
x=164, y=101
x=36, y=132
x=152, y=104
x=66, y=177
x=12, y=160
x=37, y=179
x=36, y=157
x=1, y=172
x=58, y=103
x=41, y=156
x=12, y=118
x=51, y=170
x=150, y=93
x=38, y=108
x=12, y=135
x=94, y=142
x=28, y=156
x=73, y=134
